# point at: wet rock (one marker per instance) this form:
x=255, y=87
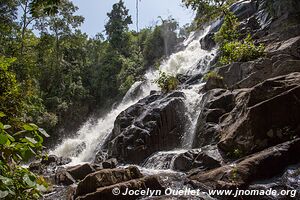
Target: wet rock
x=81, y=171
x=48, y=164
x=252, y=168
x=106, y=177
x=60, y=193
x=263, y=116
x=145, y=183
x=208, y=42
x=62, y=177
x=213, y=83
x=195, y=159
x=110, y=163
x=243, y=9
x=289, y=180
x=155, y=123
x=100, y=157
x=50, y=159
x=214, y=104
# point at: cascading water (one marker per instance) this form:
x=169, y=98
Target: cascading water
x=82, y=147
x=190, y=61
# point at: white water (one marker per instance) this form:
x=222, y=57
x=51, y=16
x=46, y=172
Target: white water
x=192, y=60
x=93, y=135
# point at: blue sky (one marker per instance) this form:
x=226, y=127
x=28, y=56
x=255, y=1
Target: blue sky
x=95, y=11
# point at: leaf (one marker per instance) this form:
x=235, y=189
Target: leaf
x=11, y=138
x=5, y=127
x=2, y=114
x=6, y=181
x=28, y=127
x=32, y=140
x=35, y=127
x=3, y=139
x=41, y=188
x=43, y=132
x=19, y=133
x=3, y=194
x=28, y=181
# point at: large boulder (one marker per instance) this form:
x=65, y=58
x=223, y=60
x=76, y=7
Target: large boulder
x=263, y=116
x=252, y=168
x=248, y=74
x=202, y=159
x=248, y=120
x=153, y=124
x=115, y=192
x=79, y=172
x=214, y=104
x=106, y=177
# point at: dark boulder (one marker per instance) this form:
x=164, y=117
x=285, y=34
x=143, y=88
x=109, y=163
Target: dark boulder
x=106, y=177
x=81, y=171
x=110, y=163
x=249, y=120
x=202, y=159
x=213, y=83
x=155, y=123
x=263, y=116
x=214, y=104
x=208, y=42
x=252, y=168
x=145, y=183
x=62, y=177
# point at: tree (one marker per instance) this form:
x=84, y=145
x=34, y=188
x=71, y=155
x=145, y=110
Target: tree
x=117, y=26
x=8, y=15
x=207, y=10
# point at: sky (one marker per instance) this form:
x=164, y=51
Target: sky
x=94, y=12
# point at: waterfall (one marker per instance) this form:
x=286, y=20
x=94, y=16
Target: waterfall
x=190, y=61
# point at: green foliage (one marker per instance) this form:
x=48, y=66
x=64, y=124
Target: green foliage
x=10, y=96
x=166, y=82
x=212, y=75
x=116, y=27
x=49, y=7
x=234, y=174
x=232, y=49
x=229, y=29
x=207, y=10
x=241, y=51
x=60, y=76
x=17, y=182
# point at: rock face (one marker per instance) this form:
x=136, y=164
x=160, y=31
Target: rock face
x=249, y=120
x=266, y=115
x=154, y=123
x=252, y=168
x=214, y=104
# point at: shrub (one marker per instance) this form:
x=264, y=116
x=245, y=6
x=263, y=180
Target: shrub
x=229, y=29
x=244, y=51
x=166, y=82
x=232, y=49
x=17, y=182
x=212, y=75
